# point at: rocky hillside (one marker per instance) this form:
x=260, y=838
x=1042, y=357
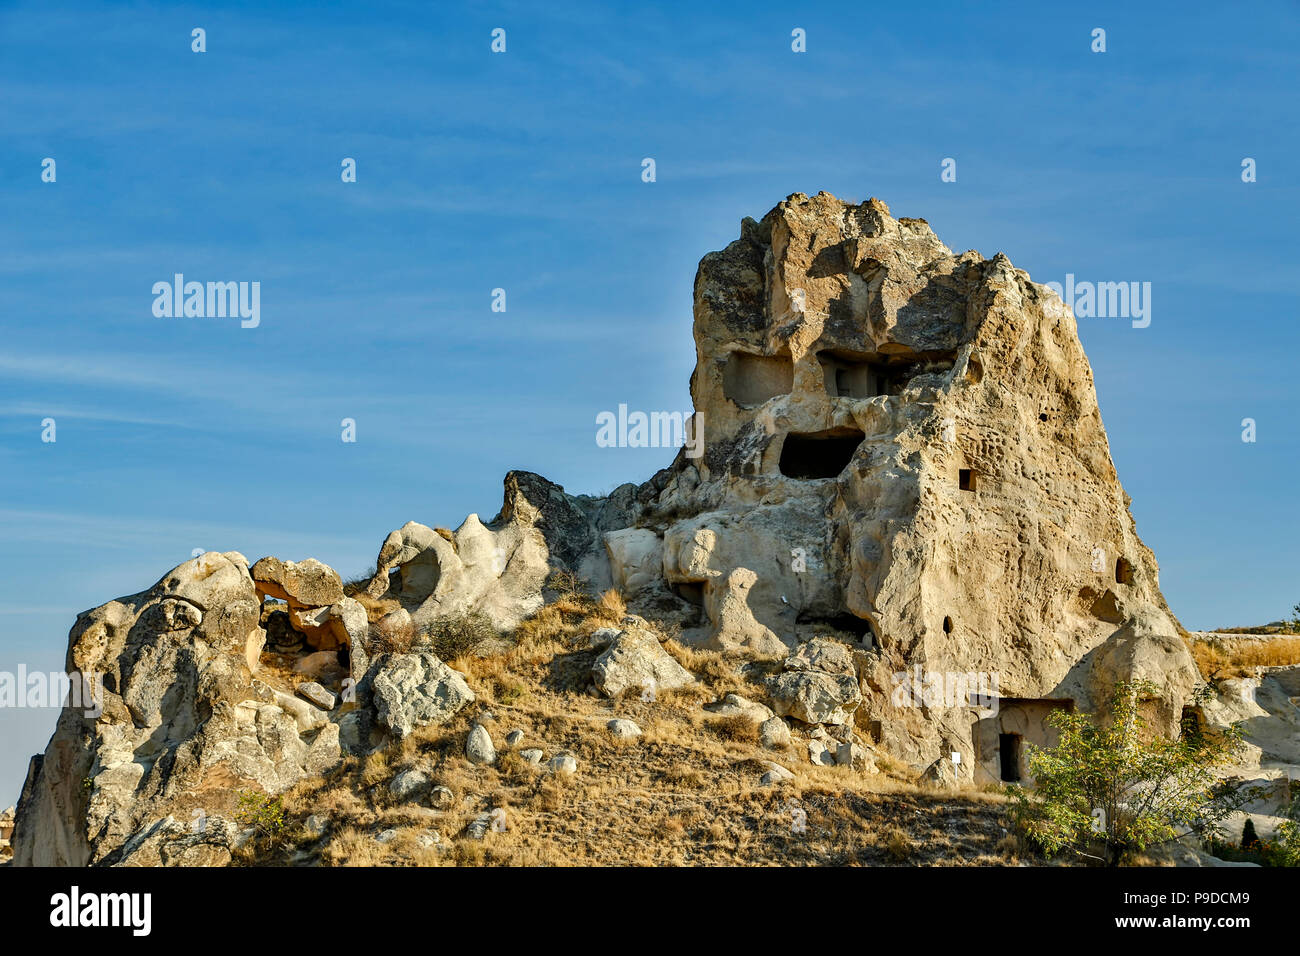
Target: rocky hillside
x=896, y=489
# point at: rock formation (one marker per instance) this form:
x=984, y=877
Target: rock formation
x=903, y=459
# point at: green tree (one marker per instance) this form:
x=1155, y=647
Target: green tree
x=1249, y=838
x=1111, y=788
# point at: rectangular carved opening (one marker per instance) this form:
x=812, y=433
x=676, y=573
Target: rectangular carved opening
x=751, y=380
x=867, y=374
x=819, y=454
x=1009, y=750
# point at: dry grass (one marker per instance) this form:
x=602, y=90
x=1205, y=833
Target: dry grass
x=685, y=793
x=612, y=605
x=1220, y=658
x=737, y=728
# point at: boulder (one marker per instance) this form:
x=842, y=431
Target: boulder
x=478, y=746
x=824, y=656
x=316, y=694
x=408, y=785
x=417, y=689
x=478, y=828
x=623, y=729
x=774, y=734
x=304, y=584
x=820, y=754
x=635, y=659
x=815, y=698
x=563, y=763
x=601, y=637
x=733, y=705
x=855, y=756
x=775, y=774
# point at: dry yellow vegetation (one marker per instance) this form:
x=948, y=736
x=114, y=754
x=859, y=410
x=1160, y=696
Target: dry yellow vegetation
x=1222, y=657
x=686, y=792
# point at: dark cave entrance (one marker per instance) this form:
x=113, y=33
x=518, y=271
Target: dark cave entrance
x=1009, y=751
x=819, y=454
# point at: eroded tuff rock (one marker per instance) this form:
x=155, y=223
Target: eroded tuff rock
x=184, y=715
x=902, y=451
x=184, y=718
x=901, y=448
x=636, y=660
x=416, y=689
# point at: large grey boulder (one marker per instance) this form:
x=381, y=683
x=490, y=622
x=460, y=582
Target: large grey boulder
x=416, y=689
x=635, y=659
x=815, y=698
x=818, y=685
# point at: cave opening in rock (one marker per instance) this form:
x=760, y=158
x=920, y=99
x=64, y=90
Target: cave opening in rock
x=849, y=374
x=966, y=479
x=750, y=380
x=845, y=622
x=691, y=592
x=1009, y=752
x=1123, y=571
x=819, y=454
x=947, y=625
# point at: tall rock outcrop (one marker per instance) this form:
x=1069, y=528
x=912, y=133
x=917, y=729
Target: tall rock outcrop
x=908, y=438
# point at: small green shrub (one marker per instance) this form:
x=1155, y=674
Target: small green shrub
x=264, y=814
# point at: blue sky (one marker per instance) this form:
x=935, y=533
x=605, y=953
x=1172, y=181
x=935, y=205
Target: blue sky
x=522, y=171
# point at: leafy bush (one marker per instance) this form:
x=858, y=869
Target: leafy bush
x=1110, y=789
x=264, y=814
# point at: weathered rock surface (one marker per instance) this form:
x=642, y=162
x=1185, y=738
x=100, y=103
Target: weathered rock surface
x=733, y=705
x=417, y=689
x=409, y=784
x=306, y=584
x=623, y=729
x=774, y=734
x=818, y=686
x=636, y=659
x=563, y=763
x=775, y=774
x=184, y=720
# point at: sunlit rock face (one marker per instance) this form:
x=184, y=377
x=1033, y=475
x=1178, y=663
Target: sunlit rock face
x=904, y=444
x=897, y=445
